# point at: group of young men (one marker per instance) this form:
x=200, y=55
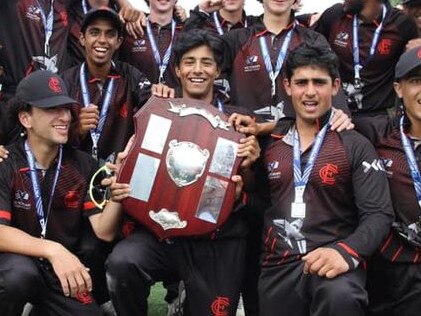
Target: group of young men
x=330, y=217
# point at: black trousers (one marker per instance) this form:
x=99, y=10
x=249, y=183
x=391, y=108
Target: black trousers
x=394, y=288
x=285, y=290
x=24, y=279
x=212, y=271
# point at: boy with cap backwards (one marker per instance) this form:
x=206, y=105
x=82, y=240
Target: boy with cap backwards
x=43, y=186
x=394, y=278
x=109, y=92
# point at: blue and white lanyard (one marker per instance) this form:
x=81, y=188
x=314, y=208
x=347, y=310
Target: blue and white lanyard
x=220, y=105
x=48, y=22
x=96, y=133
x=162, y=63
x=281, y=57
x=42, y=217
x=356, y=47
x=412, y=162
x=301, y=178
x=218, y=23
x=84, y=7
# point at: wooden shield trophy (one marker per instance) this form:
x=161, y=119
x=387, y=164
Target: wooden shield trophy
x=180, y=167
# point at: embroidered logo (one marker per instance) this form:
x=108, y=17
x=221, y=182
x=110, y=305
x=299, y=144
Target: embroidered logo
x=85, y=298
x=341, y=39
x=384, y=46
x=139, y=46
x=271, y=168
x=252, y=63
x=33, y=13
x=54, y=85
x=64, y=18
x=71, y=199
x=21, y=200
x=220, y=306
x=328, y=173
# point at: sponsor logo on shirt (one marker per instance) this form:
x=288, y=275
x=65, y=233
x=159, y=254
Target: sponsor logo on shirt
x=71, y=199
x=21, y=200
x=139, y=46
x=33, y=13
x=341, y=39
x=252, y=63
x=376, y=165
x=271, y=168
x=328, y=173
x=387, y=163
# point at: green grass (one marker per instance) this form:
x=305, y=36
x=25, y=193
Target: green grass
x=157, y=304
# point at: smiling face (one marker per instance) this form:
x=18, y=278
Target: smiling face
x=162, y=6
x=409, y=90
x=101, y=40
x=278, y=7
x=197, y=72
x=311, y=89
x=47, y=126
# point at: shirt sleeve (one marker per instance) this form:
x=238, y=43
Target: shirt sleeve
x=6, y=180
x=372, y=199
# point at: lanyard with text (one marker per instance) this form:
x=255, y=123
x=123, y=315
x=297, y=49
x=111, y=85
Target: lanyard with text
x=298, y=207
x=42, y=216
x=281, y=57
x=162, y=63
x=84, y=7
x=412, y=162
x=96, y=133
x=356, y=47
x=218, y=23
x=47, y=21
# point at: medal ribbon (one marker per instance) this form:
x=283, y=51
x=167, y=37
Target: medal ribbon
x=47, y=21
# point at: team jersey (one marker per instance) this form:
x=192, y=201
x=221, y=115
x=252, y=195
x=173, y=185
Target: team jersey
x=129, y=94
x=377, y=73
x=246, y=71
x=23, y=39
x=139, y=53
x=348, y=207
x=215, y=23
x=403, y=242
x=70, y=203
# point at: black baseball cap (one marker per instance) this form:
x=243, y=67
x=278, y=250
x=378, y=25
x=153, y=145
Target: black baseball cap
x=43, y=89
x=105, y=13
x=408, y=61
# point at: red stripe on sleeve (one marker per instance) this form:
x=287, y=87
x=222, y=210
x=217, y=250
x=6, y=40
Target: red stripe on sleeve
x=349, y=250
x=6, y=215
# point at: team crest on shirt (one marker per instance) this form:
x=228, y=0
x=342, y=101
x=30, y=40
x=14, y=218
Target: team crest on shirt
x=272, y=169
x=384, y=46
x=33, y=13
x=341, y=39
x=252, y=63
x=139, y=46
x=328, y=172
x=21, y=200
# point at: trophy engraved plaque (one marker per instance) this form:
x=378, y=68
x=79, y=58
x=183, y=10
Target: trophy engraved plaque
x=180, y=168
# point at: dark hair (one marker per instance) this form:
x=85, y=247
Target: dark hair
x=312, y=55
x=196, y=38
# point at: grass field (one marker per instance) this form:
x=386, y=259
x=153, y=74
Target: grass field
x=157, y=304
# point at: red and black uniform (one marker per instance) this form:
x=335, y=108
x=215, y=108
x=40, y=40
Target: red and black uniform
x=205, y=21
x=22, y=38
x=129, y=94
x=139, y=53
x=24, y=279
x=395, y=271
x=348, y=208
x=211, y=266
x=377, y=74
x=246, y=72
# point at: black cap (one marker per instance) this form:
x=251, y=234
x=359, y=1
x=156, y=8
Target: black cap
x=408, y=61
x=105, y=13
x=43, y=89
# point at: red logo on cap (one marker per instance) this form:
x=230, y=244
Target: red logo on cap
x=54, y=85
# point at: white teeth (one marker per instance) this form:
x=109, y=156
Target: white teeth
x=100, y=49
x=199, y=80
x=310, y=103
x=60, y=127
